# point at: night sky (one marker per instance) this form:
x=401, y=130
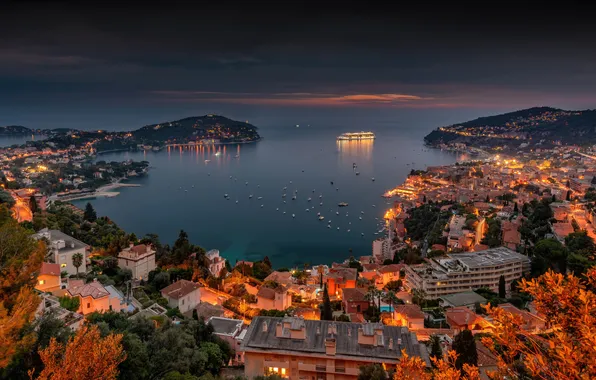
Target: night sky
x=126, y=66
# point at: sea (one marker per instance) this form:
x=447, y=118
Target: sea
x=185, y=190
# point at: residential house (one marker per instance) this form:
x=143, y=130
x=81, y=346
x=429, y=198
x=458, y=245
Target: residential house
x=62, y=248
x=390, y=272
x=273, y=299
x=94, y=297
x=295, y=348
x=410, y=316
x=229, y=330
x=531, y=322
x=140, y=259
x=216, y=262
x=461, y=318
x=49, y=278
x=354, y=300
x=283, y=278
x=340, y=278
x=183, y=294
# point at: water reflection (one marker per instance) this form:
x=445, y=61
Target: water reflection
x=355, y=149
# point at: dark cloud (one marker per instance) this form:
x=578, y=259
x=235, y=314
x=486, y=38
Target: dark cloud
x=262, y=54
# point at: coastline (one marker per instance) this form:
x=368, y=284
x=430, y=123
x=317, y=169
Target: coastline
x=181, y=144
x=106, y=191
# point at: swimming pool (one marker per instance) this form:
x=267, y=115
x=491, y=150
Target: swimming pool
x=386, y=309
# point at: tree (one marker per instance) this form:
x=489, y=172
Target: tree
x=465, y=347
x=436, y=351
x=86, y=356
x=391, y=299
x=33, y=205
x=549, y=253
x=70, y=303
x=502, y=290
x=394, y=285
x=215, y=358
x=77, y=261
x=568, y=196
x=195, y=315
x=20, y=260
x=372, y=372
x=419, y=297
x=516, y=207
x=89, y=214
x=326, y=312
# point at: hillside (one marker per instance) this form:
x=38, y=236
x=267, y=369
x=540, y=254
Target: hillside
x=532, y=125
x=13, y=130
x=198, y=127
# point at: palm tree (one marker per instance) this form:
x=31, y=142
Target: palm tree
x=419, y=295
x=374, y=294
x=77, y=261
x=391, y=299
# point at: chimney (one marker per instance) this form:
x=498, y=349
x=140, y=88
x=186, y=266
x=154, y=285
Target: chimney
x=349, y=332
x=278, y=329
x=264, y=326
x=318, y=330
x=130, y=245
x=72, y=244
x=329, y=329
x=390, y=344
x=330, y=346
x=399, y=342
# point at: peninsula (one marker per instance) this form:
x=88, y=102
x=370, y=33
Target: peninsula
x=526, y=129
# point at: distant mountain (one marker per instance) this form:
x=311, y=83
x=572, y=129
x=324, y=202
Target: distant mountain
x=14, y=130
x=198, y=127
x=532, y=125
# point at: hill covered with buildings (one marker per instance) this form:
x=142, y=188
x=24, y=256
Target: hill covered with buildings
x=520, y=129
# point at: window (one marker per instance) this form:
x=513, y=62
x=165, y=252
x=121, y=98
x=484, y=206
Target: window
x=62, y=265
x=88, y=305
x=182, y=302
x=41, y=282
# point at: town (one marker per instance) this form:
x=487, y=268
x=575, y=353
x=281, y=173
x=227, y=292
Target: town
x=461, y=240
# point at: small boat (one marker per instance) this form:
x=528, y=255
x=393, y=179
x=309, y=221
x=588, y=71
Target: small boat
x=374, y=206
x=337, y=188
x=283, y=195
x=284, y=212
x=338, y=228
x=259, y=198
x=332, y=182
x=236, y=156
x=246, y=183
x=328, y=226
x=318, y=213
x=337, y=213
x=320, y=204
x=357, y=173
x=261, y=206
x=362, y=212
x=186, y=191
x=309, y=199
x=349, y=230
x=321, y=196
x=226, y=195
x=217, y=153
x=193, y=186
x=294, y=198
x=250, y=196
x=373, y=179
x=293, y=215
x=284, y=201
x=230, y=177
x=207, y=161
x=290, y=181
x=209, y=174
x=236, y=200
x=321, y=217
x=360, y=217
x=277, y=209
x=285, y=188
x=362, y=233
x=313, y=190
x=376, y=233
x=307, y=210
x=342, y=204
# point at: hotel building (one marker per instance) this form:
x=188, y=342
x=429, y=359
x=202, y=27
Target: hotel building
x=460, y=272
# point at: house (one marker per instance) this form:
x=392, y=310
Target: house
x=467, y=299
x=216, y=263
x=410, y=316
x=140, y=259
x=295, y=348
x=461, y=318
x=62, y=248
x=273, y=299
x=531, y=322
x=183, y=294
x=283, y=278
x=487, y=361
x=339, y=278
x=206, y=310
x=49, y=278
x=390, y=272
x=229, y=330
x=354, y=300
x=94, y=297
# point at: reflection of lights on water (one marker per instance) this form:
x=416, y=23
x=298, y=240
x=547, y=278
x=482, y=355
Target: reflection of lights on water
x=360, y=148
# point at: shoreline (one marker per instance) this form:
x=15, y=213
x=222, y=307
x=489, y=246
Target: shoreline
x=106, y=191
x=174, y=145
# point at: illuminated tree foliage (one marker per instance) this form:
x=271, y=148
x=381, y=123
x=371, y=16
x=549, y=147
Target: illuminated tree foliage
x=86, y=356
x=20, y=260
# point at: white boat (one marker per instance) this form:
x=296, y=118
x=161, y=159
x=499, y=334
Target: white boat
x=246, y=183
x=342, y=204
x=374, y=206
x=293, y=215
x=320, y=204
x=259, y=198
x=262, y=206
x=217, y=153
x=284, y=212
x=277, y=209
x=250, y=196
x=328, y=226
x=338, y=228
x=226, y=195
x=373, y=179
x=309, y=199
x=236, y=201
x=360, y=217
x=307, y=210
x=207, y=161
x=283, y=195
x=321, y=217
x=349, y=230
x=357, y=173
x=294, y=198
x=318, y=213
x=236, y=156
x=337, y=213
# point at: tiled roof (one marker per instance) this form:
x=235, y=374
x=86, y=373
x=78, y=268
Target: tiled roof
x=93, y=289
x=50, y=269
x=353, y=294
x=410, y=311
x=269, y=293
x=392, y=268
x=460, y=316
x=179, y=289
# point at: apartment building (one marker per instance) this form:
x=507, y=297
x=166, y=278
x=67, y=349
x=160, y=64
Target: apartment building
x=62, y=248
x=460, y=272
x=300, y=349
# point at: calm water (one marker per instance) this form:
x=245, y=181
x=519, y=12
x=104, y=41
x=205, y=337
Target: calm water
x=6, y=141
x=182, y=191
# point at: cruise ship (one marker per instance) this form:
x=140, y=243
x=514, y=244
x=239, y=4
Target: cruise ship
x=356, y=136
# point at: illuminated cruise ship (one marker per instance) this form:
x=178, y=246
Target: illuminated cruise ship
x=356, y=136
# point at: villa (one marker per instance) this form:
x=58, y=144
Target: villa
x=140, y=259
x=62, y=248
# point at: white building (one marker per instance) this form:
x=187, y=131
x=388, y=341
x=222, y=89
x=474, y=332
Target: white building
x=381, y=249
x=140, y=259
x=216, y=263
x=183, y=294
x=460, y=272
x=62, y=248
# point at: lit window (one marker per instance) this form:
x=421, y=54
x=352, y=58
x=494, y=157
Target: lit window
x=275, y=369
x=41, y=282
x=62, y=265
x=283, y=371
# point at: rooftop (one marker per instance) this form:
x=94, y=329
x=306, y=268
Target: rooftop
x=464, y=298
x=60, y=240
x=179, y=289
x=345, y=336
x=50, y=269
x=225, y=326
x=93, y=289
x=353, y=294
x=486, y=258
